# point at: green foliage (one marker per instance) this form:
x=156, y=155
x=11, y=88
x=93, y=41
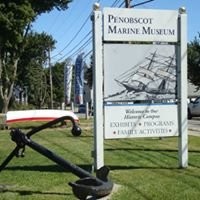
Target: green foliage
x=89, y=73
x=42, y=6
x=194, y=61
x=18, y=106
x=88, y=77
x=37, y=88
x=15, y=23
x=31, y=72
x=58, y=82
x=15, y=17
x=35, y=53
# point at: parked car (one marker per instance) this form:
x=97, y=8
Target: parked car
x=194, y=108
x=81, y=108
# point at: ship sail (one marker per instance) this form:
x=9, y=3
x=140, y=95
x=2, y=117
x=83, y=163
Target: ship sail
x=156, y=75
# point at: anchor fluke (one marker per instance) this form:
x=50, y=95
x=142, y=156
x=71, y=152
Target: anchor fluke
x=93, y=186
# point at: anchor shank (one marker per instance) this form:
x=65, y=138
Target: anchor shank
x=57, y=159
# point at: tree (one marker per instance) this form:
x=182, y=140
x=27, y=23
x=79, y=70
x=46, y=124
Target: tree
x=37, y=89
x=194, y=61
x=31, y=73
x=15, y=23
x=88, y=73
x=58, y=82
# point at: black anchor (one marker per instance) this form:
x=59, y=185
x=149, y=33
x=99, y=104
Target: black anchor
x=87, y=185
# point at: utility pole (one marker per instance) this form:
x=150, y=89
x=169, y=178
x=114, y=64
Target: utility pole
x=50, y=79
x=127, y=3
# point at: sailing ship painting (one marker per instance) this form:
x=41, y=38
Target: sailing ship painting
x=154, y=78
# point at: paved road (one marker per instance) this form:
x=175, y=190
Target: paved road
x=194, y=126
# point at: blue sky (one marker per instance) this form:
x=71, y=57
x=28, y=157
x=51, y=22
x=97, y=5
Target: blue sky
x=72, y=28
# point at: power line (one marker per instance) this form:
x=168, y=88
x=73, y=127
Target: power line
x=78, y=43
x=139, y=4
x=81, y=47
x=115, y=3
x=87, y=54
x=73, y=37
x=77, y=33
x=85, y=44
x=121, y=4
x=89, y=40
x=68, y=15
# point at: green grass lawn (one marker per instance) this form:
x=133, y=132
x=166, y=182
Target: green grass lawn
x=144, y=169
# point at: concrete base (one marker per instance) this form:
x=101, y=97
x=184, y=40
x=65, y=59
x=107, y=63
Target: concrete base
x=115, y=189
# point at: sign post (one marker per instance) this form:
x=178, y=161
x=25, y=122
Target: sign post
x=182, y=92
x=98, y=152
x=140, y=89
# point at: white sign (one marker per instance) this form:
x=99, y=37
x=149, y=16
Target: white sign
x=132, y=121
x=121, y=24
